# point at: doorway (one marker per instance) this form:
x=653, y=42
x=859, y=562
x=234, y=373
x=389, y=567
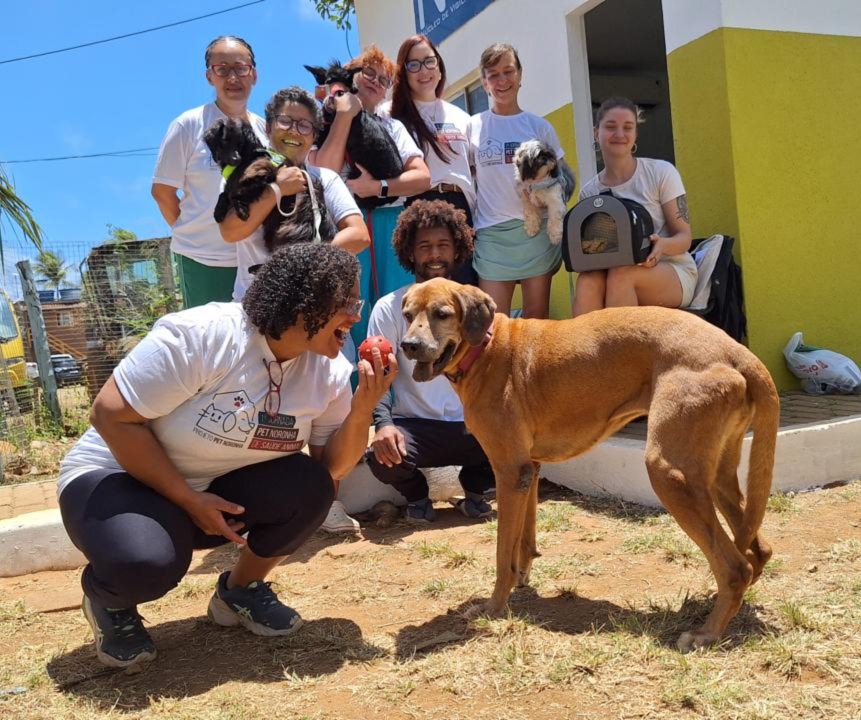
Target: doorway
x=626, y=55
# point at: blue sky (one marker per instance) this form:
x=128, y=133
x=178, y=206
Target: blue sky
x=122, y=95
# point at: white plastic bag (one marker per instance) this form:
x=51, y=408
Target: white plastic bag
x=821, y=371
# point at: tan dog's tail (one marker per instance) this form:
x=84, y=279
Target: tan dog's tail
x=766, y=421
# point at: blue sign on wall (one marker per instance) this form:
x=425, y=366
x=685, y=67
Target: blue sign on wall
x=440, y=18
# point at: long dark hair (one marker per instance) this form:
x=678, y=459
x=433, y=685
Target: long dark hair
x=403, y=106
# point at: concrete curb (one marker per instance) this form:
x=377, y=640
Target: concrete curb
x=808, y=456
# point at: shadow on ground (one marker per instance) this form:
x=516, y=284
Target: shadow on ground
x=195, y=656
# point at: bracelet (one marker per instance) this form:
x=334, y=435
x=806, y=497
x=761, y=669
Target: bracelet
x=277, y=190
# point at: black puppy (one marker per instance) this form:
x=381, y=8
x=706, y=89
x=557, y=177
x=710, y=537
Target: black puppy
x=368, y=143
x=250, y=170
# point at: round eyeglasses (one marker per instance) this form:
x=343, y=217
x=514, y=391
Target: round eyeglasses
x=414, y=66
x=223, y=70
x=369, y=73
x=286, y=122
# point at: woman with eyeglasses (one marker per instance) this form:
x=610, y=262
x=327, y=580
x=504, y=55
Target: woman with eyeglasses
x=206, y=265
x=505, y=254
x=381, y=272
x=196, y=441
x=439, y=128
x=292, y=119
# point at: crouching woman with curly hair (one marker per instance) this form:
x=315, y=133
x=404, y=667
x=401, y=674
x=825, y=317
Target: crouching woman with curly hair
x=195, y=441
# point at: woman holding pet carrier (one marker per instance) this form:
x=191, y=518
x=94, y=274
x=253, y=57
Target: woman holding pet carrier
x=196, y=441
x=205, y=263
x=504, y=253
x=668, y=275
x=439, y=128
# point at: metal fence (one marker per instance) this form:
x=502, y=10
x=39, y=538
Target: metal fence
x=110, y=298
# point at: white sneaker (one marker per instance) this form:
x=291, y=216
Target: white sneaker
x=337, y=521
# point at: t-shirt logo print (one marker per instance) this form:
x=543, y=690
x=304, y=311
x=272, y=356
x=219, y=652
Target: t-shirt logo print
x=230, y=415
x=490, y=152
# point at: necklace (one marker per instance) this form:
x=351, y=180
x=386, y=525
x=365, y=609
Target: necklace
x=431, y=119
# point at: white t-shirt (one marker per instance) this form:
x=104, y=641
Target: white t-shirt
x=653, y=183
x=432, y=400
x=252, y=250
x=201, y=378
x=493, y=140
x=451, y=125
x=184, y=162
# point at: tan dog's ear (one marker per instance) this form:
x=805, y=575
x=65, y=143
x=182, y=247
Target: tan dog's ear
x=477, y=310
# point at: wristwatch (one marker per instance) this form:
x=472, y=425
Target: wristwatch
x=384, y=188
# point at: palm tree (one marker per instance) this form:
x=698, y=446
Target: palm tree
x=17, y=213
x=53, y=269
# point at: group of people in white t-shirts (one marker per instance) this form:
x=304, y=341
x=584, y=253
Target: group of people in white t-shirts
x=196, y=437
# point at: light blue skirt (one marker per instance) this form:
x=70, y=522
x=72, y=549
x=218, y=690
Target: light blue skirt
x=506, y=252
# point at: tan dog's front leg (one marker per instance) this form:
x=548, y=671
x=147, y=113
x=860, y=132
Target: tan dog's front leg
x=528, y=544
x=513, y=494
x=531, y=215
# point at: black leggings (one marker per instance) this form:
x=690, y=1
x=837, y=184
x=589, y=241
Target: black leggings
x=139, y=543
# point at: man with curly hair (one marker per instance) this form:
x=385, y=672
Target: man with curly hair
x=196, y=440
x=421, y=425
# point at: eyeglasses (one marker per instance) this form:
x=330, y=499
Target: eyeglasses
x=223, y=70
x=272, y=403
x=303, y=127
x=414, y=66
x=369, y=73
x=354, y=306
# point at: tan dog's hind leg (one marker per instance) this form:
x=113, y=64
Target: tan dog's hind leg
x=731, y=502
x=690, y=410
x=531, y=215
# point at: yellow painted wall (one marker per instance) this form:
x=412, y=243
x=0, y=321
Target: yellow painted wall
x=562, y=120
x=768, y=145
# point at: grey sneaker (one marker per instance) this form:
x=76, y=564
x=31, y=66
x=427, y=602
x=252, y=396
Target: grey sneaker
x=420, y=512
x=121, y=639
x=256, y=607
x=474, y=505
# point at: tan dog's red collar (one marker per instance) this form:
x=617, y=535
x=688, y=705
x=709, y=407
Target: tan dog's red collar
x=466, y=363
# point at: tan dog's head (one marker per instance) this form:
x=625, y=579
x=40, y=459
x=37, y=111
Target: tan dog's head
x=444, y=318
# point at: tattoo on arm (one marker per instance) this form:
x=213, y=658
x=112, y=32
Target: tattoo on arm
x=682, y=207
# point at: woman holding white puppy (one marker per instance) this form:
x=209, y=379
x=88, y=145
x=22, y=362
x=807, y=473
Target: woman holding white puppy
x=669, y=275
x=504, y=253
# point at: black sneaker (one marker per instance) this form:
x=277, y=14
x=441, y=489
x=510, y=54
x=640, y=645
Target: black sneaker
x=420, y=512
x=121, y=639
x=474, y=505
x=256, y=607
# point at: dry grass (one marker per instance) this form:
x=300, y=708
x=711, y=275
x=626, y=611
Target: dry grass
x=387, y=633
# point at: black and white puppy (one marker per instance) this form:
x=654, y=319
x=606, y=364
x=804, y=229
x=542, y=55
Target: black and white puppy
x=543, y=181
x=368, y=142
x=298, y=218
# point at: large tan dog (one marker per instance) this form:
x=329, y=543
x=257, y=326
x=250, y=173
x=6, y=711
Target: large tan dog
x=547, y=390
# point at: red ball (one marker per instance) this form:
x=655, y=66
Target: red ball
x=375, y=341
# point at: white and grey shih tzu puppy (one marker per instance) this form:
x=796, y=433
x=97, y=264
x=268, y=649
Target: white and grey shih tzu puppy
x=543, y=181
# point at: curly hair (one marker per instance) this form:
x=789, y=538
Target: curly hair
x=372, y=55
x=430, y=214
x=294, y=95
x=311, y=279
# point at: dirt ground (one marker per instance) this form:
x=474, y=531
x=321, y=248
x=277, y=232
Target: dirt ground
x=385, y=634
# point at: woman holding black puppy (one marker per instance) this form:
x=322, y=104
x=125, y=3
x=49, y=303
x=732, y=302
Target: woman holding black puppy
x=196, y=440
x=668, y=275
x=292, y=120
x=207, y=267
x=504, y=253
